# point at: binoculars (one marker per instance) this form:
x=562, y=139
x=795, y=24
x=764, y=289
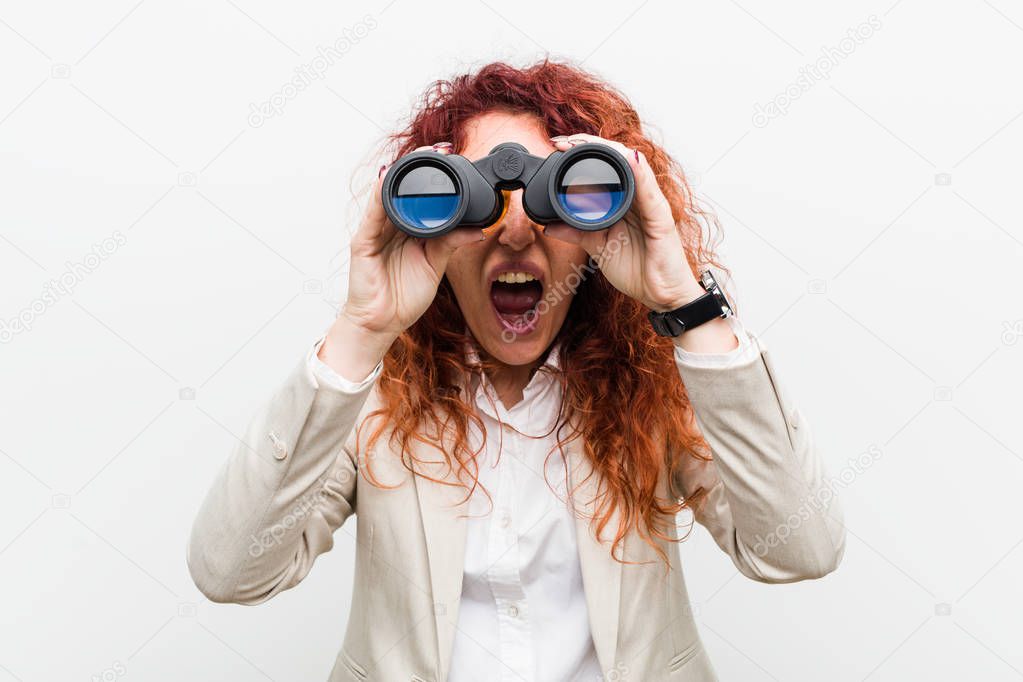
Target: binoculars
x=427, y=194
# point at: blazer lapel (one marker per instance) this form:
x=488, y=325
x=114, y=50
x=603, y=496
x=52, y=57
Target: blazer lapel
x=444, y=527
x=602, y=575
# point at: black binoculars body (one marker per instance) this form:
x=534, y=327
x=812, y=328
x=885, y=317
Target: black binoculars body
x=427, y=194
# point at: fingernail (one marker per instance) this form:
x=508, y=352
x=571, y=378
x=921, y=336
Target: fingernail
x=558, y=138
x=637, y=156
x=443, y=145
x=483, y=235
x=381, y=171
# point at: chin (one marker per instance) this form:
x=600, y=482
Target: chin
x=522, y=350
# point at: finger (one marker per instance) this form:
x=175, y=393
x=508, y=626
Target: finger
x=566, y=142
x=376, y=228
x=651, y=204
x=439, y=249
x=441, y=147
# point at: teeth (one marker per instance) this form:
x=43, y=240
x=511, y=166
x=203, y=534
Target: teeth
x=515, y=277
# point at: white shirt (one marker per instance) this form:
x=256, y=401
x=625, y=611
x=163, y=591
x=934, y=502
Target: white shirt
x=523, y=610
x=523, y=615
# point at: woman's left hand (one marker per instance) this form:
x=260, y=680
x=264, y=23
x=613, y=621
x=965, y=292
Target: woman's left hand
x=648, y=262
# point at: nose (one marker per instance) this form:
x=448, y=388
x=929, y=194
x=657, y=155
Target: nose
x=516, y=230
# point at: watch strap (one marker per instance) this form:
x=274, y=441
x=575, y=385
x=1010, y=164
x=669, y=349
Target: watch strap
x=693, y=314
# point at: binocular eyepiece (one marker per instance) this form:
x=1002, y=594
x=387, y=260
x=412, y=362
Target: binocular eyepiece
x=427, y=194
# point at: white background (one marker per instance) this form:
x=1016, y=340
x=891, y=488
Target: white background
x=874, y=231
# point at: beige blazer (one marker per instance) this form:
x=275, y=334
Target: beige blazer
x=297, y=478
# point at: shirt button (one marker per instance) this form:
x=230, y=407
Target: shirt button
x=513, y=611
x=279, y=448
x=505, y=521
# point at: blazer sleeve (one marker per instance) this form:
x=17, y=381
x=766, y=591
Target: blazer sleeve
x=287, y=486
x=768, y=503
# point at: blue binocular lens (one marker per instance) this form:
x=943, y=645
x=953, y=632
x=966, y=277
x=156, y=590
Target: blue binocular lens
x=426, y=197
x=590, y=190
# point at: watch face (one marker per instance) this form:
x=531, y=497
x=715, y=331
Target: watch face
x=726, y=309
x=710, y=284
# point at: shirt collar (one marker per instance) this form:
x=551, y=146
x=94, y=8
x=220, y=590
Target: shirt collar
x=539, y=384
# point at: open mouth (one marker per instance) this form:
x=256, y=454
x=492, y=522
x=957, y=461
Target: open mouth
x=515, y=295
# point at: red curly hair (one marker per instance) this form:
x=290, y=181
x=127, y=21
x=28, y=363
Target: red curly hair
x=621, y=389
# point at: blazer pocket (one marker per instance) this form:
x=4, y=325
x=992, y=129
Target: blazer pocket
x=352, y=666
x=686, y=655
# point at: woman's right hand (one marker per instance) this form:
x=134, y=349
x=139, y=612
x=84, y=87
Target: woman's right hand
x=393, y=279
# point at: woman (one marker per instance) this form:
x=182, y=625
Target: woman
x=516, y=473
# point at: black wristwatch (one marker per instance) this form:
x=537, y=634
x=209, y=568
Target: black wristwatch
x=710, y=306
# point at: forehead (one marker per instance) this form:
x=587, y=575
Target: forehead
x=486, y=131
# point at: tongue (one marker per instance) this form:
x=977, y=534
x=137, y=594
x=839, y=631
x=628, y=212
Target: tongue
x=514, y=299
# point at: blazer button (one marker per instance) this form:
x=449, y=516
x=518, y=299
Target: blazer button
x=279, y=448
